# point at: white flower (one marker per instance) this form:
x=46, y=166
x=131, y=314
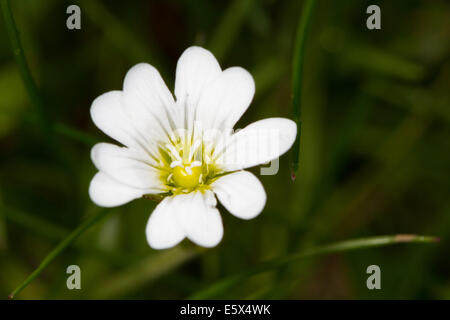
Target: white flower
x=184, y=149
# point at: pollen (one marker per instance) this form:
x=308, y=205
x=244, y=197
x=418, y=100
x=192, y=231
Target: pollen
x=187, y=176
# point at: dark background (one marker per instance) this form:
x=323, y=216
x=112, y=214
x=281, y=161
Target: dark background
x=374, y=160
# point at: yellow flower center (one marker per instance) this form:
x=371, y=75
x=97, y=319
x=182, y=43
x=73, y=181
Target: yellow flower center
x=187, y=163
x=187, y=176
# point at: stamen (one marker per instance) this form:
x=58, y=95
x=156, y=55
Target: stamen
x=188, y=165
x=194, y=148
x=177, y=163
x=173, y=151
x=196, y=164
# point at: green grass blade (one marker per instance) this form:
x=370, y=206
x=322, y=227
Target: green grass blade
x=59, y=249
x=297, y=76
x=348, y=245
x=30, y=85
x=42, y=118
x=19, y=57
x=54, y=232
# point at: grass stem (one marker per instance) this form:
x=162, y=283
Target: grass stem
x=297, y=76
x=19, y=57
x=347, y=245
x=59, y=249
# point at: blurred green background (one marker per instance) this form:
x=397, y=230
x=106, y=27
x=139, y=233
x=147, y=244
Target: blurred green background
x=374, y=160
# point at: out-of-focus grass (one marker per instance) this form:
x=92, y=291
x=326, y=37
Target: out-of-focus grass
x=223, y=285
x=297, y=76
x=229, y=26
x=94, y=219
x=144, y=272
x=374, y=152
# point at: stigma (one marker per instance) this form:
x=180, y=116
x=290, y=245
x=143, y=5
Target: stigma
x=186, y=169
x=187, y=176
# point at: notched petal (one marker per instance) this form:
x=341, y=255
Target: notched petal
x=241, y=193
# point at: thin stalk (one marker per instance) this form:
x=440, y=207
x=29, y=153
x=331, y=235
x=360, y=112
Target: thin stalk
x=59, y=249
x=32, y=89
x=297, y=76
x=348, y=245
x=42, y=112
x=57, y=233
x=19, y=57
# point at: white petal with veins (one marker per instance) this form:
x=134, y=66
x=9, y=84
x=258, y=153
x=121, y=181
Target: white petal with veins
x=108, y=115
x=258, y=143
x=163, y=230
x=107, y=192
x=196, y=69
x=225, y=100
x=198, y=216
x=148, y=103
x=241, y=193
x=129, y=167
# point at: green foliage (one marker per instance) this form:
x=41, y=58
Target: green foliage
x=373, y=159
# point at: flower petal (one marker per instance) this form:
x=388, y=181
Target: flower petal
x=198, y=216
x=128, y=166
x=108, y=115
x=162, y=229
x=196, y=69
x=258, y=143
x=148, y=102
x=107, y=192
x=241, y=193
x=226, y=99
